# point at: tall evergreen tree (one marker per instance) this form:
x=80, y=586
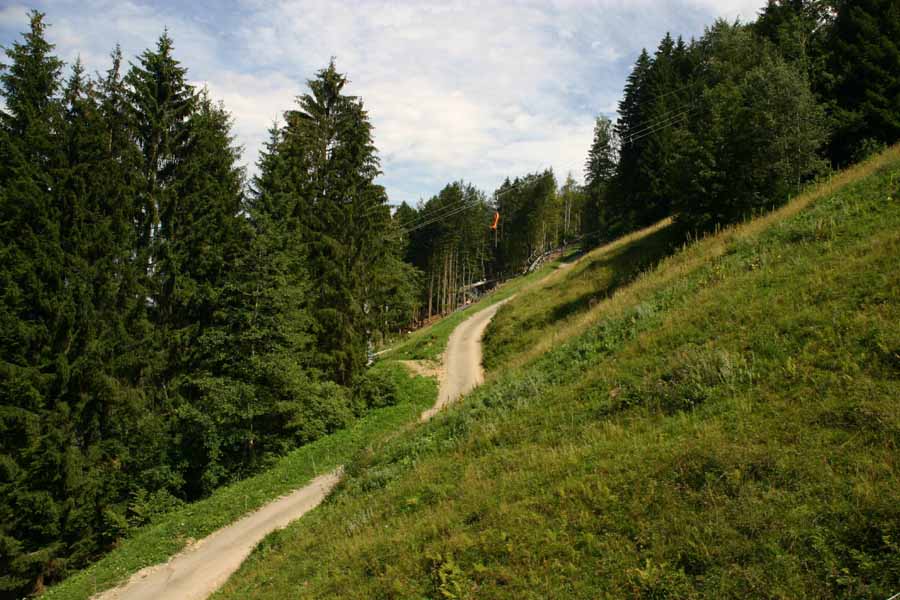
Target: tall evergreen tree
x=201, y=233
x=627, y=197
x=756, y=137
x=272, y=315
x=161, y=103
x=864, y=60
x=341, y=212
x=599, y=171
x=34, y=313
x=670, y=104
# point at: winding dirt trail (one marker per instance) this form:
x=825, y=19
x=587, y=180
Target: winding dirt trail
x=462, y=359
x=200, y=569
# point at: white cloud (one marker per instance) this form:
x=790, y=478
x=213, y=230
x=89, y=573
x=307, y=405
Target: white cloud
x=461, y=92
x=455, y=89
x=745, y=10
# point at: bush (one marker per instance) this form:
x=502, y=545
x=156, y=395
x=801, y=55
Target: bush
x=377, y=389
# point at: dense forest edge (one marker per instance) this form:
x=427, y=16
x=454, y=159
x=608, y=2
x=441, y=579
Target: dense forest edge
x=169, y=326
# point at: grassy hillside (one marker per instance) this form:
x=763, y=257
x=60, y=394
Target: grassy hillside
x=563, y=295
x=726, y=425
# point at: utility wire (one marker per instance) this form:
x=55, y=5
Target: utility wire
x=682, y=117
x=661, y=119
x=683, y=88
x=439, y=212
x=440, y=218
x=456, y=207
x=664, y=116
x=661, y=125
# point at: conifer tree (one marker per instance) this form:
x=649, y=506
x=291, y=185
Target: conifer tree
x=525, y=205
x=669, y=105
x=201, y=233
x=599, y=171
x=864, y=60
x=160, y=105
x=33, y=311
x=341, y=212
x=757, y=134
x=627, y=197
x=273, y=315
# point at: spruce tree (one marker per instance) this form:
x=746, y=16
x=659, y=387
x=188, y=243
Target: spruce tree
x=599, y=171
x=756, y=137
x=273, y=312
x=160, y=105
x=342, y=214
x=628, y=195
x=669, y=106
x=34, y=313
x=201, y=234
x=864, y=51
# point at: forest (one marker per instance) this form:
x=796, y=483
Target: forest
x=169, y=325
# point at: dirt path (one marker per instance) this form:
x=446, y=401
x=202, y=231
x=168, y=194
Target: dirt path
x=462, y=359
x=203, y=567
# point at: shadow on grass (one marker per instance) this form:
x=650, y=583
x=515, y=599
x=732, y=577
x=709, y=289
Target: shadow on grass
x=620, y=266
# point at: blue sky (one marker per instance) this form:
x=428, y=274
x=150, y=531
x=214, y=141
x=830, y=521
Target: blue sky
x=456, y=89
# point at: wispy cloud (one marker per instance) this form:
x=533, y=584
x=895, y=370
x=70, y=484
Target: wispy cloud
x=455, y=89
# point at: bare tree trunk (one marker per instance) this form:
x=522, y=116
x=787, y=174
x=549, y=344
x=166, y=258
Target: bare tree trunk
x=450, y=281
x=444, y=283
x=430, y=291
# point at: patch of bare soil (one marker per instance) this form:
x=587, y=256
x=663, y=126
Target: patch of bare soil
x=424, y=368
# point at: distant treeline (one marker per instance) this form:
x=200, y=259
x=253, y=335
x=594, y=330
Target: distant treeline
x=732, y=124
x=461, y=238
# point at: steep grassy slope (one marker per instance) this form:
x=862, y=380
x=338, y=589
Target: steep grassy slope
x=563, y=295
x=725, y=426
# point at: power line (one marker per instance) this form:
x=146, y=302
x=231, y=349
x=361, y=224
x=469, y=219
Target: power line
x=660, y=119
x=683, y=88
x=455, y=207
x=661, y=125
x=665, y=116
x=438, y=218
x=460, y=209
x=439, y=212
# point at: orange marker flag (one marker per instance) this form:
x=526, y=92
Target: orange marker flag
x=496, y=220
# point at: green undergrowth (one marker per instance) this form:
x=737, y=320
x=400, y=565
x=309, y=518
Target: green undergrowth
x=160, y=540
x=726, y=425
x=429, y=342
